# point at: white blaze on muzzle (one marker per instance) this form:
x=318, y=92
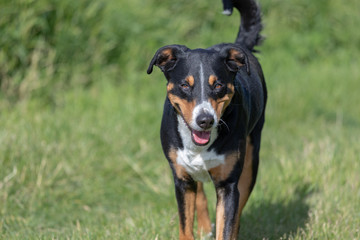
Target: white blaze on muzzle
x=200, y=135
x=204, y=107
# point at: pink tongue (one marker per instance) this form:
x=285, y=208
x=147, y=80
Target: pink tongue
x=201, y=137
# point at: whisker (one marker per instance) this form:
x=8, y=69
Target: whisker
x=222, y=122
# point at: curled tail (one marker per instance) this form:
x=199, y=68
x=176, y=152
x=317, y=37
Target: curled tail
x=250, y=25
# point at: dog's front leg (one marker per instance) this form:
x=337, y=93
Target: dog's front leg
x=185, y=190
x=202, y=212
x=225, y=178
x=227, y=211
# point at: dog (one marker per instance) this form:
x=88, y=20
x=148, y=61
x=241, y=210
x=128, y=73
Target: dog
x=212, y=121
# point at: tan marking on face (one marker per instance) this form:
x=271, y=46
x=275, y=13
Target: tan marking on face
x=204, y=223
x=212, y=80
x=246, y=175
x=170, y=86
x=223, y=171
x=221, y=104
x=231, y=92
x=179, y=170
x=182, y=106
x=190, y=80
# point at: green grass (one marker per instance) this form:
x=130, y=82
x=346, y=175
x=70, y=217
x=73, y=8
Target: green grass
x=82, y=159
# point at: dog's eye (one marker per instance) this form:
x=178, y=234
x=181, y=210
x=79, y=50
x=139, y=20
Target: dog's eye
x=218, y=86
x=185, y=86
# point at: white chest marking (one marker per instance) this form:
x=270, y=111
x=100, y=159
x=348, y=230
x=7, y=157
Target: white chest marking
x=197, y=164
x=197, y=160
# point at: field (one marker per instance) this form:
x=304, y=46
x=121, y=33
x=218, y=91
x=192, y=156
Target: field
x=80, y=154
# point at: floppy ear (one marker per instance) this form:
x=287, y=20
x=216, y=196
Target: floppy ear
x=167, y=57
x=235, y=57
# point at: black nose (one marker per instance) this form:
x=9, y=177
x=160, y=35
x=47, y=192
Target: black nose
x=205, y=121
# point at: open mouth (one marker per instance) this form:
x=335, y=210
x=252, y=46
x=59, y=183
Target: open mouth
x=200, y=137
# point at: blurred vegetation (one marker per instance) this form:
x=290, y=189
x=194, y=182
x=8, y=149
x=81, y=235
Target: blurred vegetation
x=47, y=46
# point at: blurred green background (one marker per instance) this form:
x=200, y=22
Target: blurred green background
x=80, y=155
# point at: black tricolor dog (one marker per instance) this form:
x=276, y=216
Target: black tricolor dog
x=212, y=122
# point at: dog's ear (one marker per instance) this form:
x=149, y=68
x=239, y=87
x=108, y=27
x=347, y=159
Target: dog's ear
x=167, y=57
x=235, y=58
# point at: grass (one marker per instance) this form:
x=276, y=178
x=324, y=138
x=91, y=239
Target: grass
x=88, y=164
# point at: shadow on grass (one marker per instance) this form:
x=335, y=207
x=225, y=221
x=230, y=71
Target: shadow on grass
x=276, y=219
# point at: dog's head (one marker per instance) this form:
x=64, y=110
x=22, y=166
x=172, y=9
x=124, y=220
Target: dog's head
x=200, y=83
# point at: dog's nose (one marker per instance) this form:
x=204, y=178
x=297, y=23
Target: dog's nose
x=205, y=121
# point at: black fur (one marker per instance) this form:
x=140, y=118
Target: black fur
x=228, y=66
